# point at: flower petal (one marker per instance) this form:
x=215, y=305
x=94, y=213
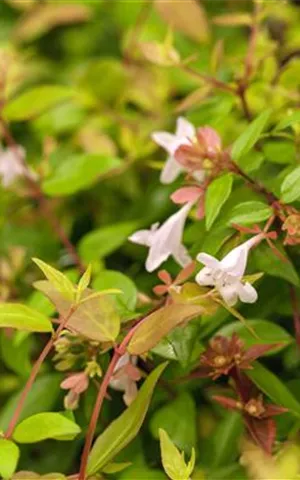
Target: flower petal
x=184, y=128
x=142, y=237
x=208, y=260
x=205, y=277
x=165, y=140
x=229, y=293
x=168, y=240
x=247, y=293
x=182, y=256
x=171, y=171
x=186, y=194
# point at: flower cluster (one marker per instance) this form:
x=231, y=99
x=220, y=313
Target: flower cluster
x=228, y=356
x=165, y=240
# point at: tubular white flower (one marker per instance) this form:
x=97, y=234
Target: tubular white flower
x=185, y=132
x=165, y=240
x=226, y=275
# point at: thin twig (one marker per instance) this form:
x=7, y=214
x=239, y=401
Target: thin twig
x=33, y=374
x=118, y=352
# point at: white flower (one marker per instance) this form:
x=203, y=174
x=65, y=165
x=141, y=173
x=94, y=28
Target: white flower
x=125, y=376
x=165, y=240
x=184, y=135
x=226, y=275
x=11, y=166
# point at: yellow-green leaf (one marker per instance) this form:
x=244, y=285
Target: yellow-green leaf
x=172, y=460
x=21, y=317
x=45, y=425
x=60, y=282
x=95, y=318
x=9, y=456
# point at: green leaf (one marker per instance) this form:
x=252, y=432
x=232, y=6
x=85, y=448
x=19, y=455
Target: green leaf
x=112, y=279
x=83, y=282
x=100, y=243
x=15, y=352
x=248, y=213
x=287, y=121
x=179, y=344
x=15, y=315
x=216, y=195
x=9, y=457
x=249, y=137
x=274, y=388
x=179, y=418
x=78, y=173
x=290, y=188
x=172, y=460
x=44, y=426
x=158, y=324
x=95, y=317
x=60, y=282
x=266, y=261
x=251, y=161
x=227, y=439
x=280, y=152
x=267, y=332
x=122, y=430
x=35, y=101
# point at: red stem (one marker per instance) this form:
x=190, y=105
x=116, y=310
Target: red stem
x=119, y=351
x=33, y=374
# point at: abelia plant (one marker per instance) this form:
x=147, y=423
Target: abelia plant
x=150, y=226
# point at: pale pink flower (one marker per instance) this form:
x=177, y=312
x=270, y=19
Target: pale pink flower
x=184, y=135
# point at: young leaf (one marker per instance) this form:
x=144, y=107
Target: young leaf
x=173, y=461
x=95, y=316
x=9, y=456
x=160, y=323
x=248, y=213
x=216, y=195
x=290, y=188
x=59, y=281
x=122, y=430
x=83, y=282
x=35, y=101
x=44, y=426
x=77, y=173
x=274, y=388
x=15, y=315
x=249, y=137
